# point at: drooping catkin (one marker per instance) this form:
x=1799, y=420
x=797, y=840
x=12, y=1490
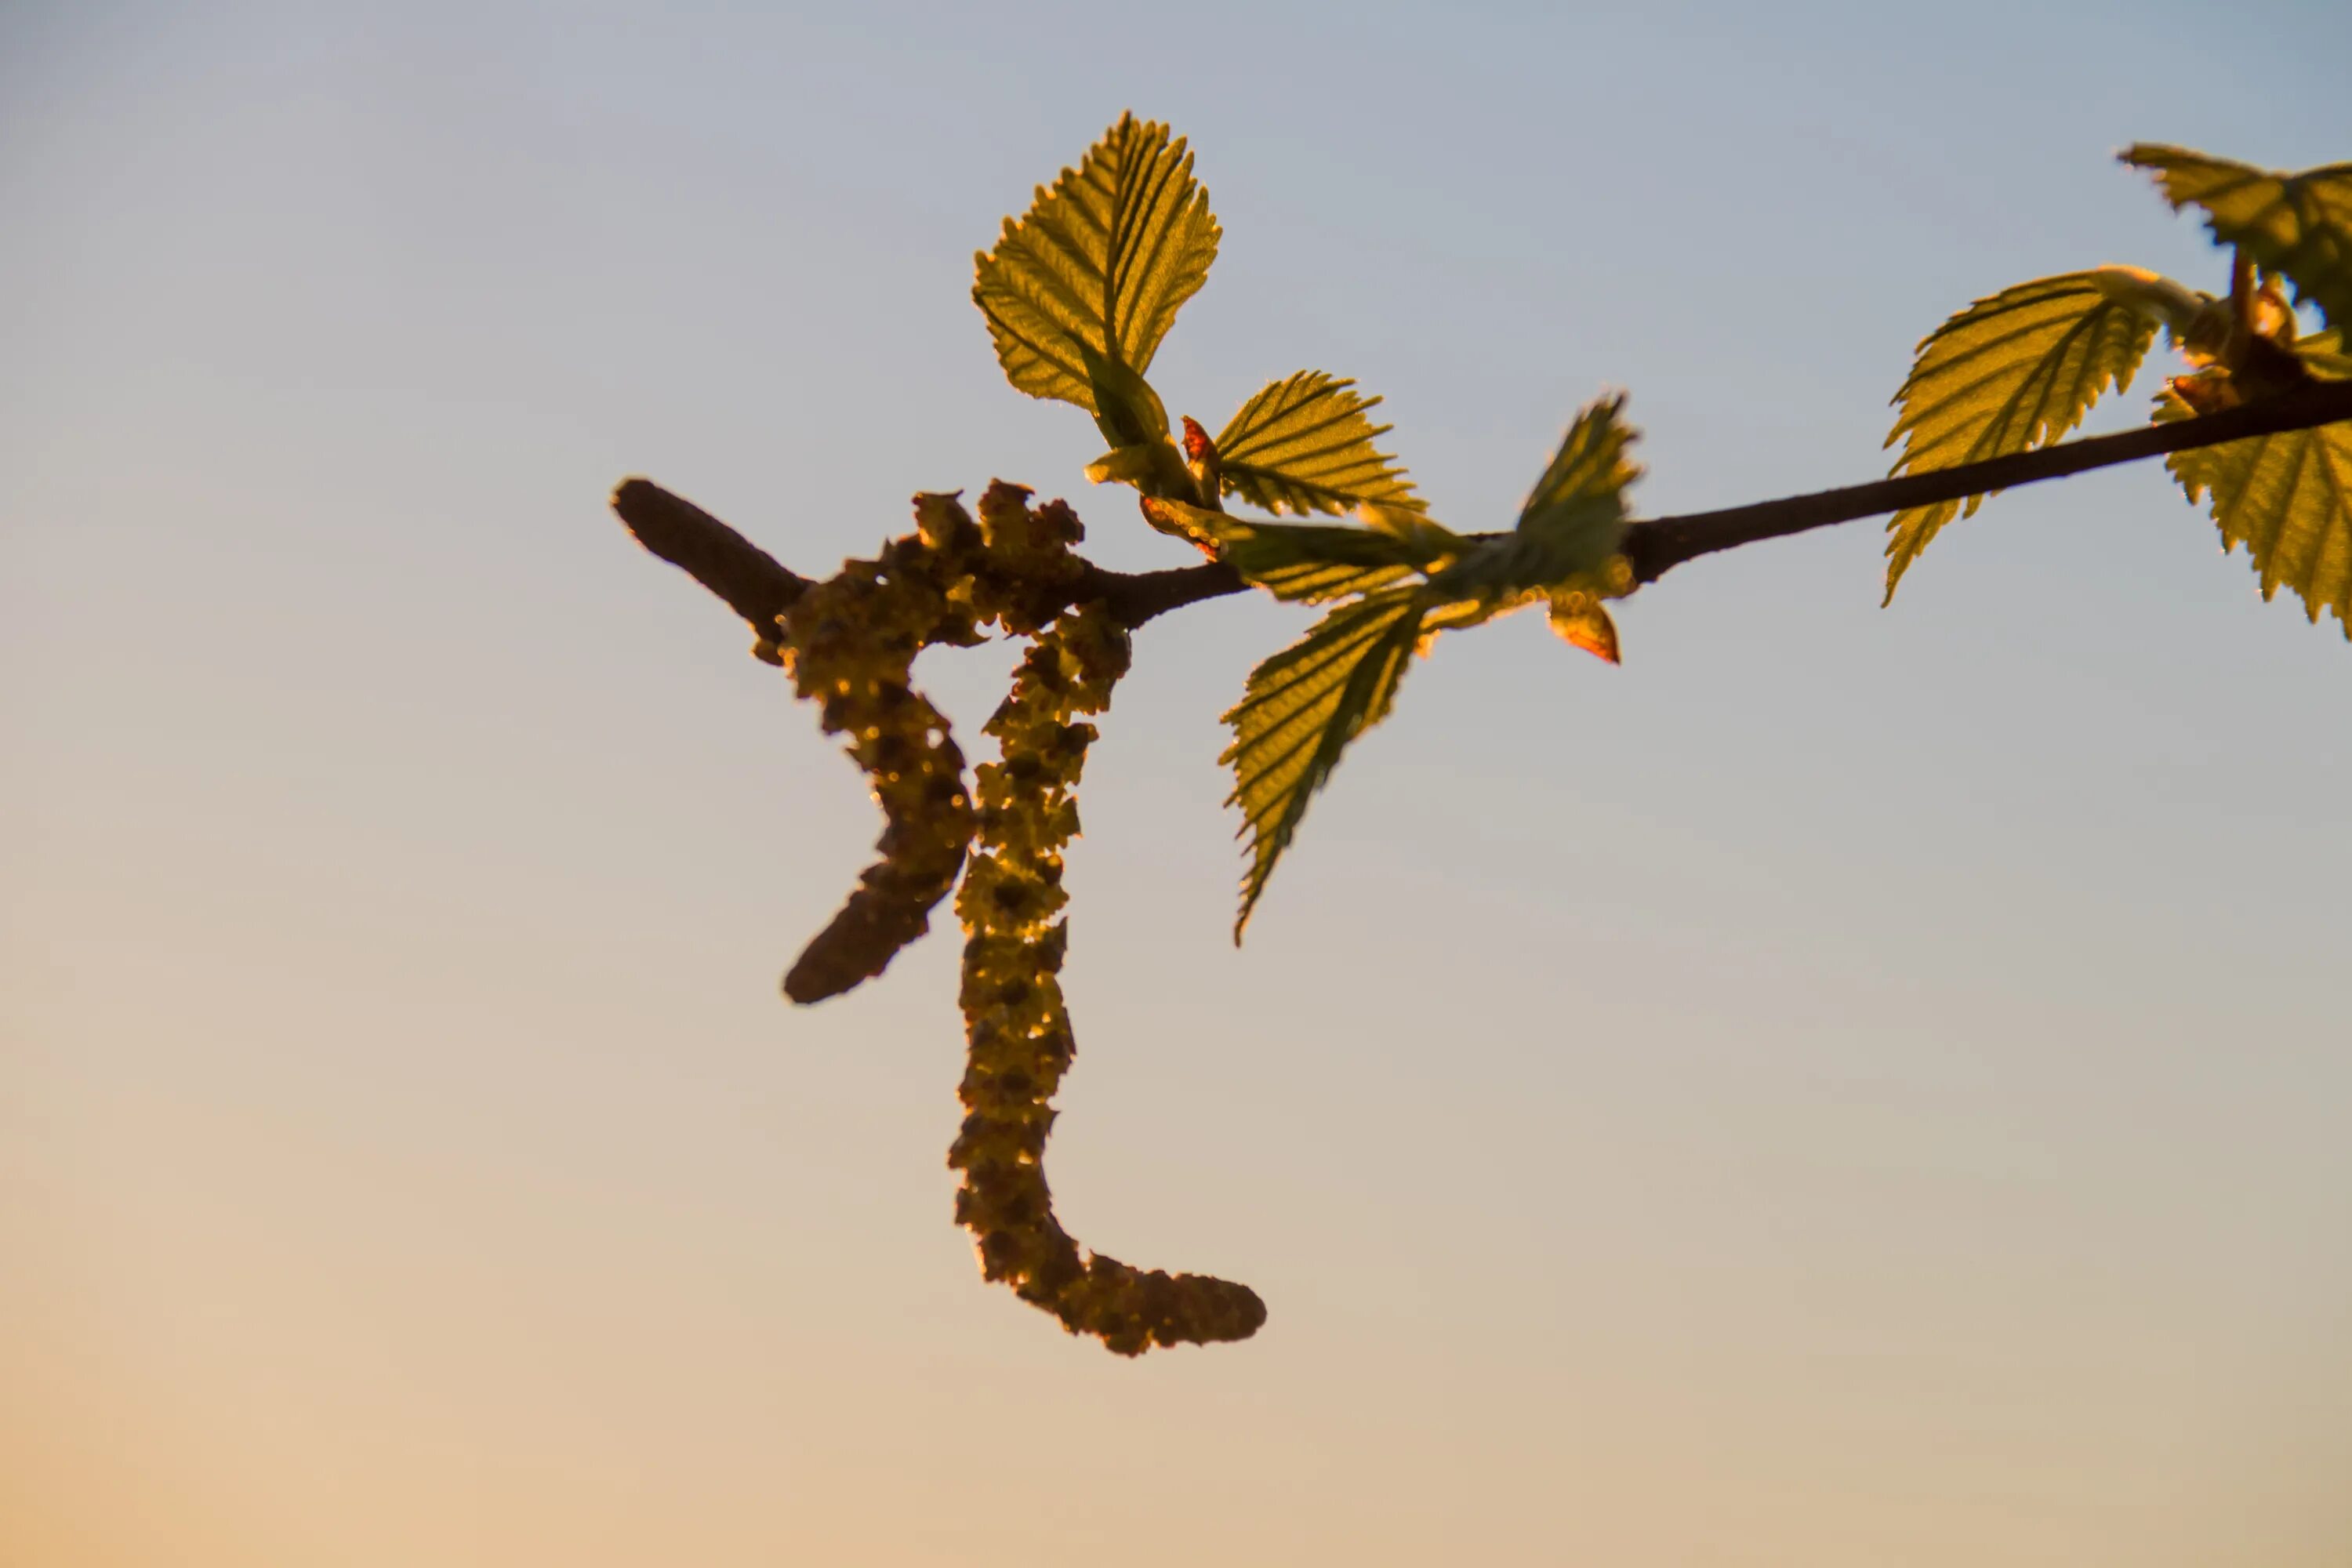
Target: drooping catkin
x=1018, y=1030
x=849, y=643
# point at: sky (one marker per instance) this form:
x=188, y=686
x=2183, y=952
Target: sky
x=1850, y=1086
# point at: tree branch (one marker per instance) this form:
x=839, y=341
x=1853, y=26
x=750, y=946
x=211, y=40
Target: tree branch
x=757, y=588
x=1663, y=544
x=753, y=584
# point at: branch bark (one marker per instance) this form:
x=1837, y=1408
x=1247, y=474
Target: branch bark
x=759, y=589
x=752, y=582
x=1659, y=545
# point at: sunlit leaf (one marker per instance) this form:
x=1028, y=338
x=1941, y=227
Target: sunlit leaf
x=1303, y=445
x=2323, y=355
x=2299, y=225
x=1127, y=409
x=1153, y=468
x=1311, y=561
x=1582, y=621
x=2011, y=372
x=2287, y=497
x=1582, y=491
x=1121, y=465
x=1098, y=266
x=1571, y=524
x=1302, y=708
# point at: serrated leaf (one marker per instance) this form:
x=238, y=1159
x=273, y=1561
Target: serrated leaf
x=2014, y=371
x=1314, y=564
x=1571, y=524
x=1410, y=523
x=1303, y=445
x=2287, y=497
x=1302, y=708
x=1098, y=265
x=2299, y=225
x=1311, y=562
x=1584, y=485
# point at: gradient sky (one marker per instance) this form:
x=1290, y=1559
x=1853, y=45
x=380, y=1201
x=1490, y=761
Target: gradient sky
x=1848, y=1088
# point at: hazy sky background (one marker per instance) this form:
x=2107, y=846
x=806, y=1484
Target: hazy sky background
x=1847, y=1087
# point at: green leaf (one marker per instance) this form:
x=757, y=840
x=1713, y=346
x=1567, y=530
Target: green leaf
x=1302, y=708
x=1568, y=529
x=1304, y=704
x=2287, y=497
x=1153, y=468
x=2323, y=355
x=2012, y=371
x=1129, y=411
x=1582, y=493
x=1303, y=445
x=1311, y=561
x=2299, y=225
x=1099, y=267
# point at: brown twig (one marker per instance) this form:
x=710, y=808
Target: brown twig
x=759, y=589
x=752, y=582
x=1663, y=544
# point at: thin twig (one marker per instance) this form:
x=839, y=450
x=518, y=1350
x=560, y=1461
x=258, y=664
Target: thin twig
x=759, y=589
x=754, y=585
x=1662, y=544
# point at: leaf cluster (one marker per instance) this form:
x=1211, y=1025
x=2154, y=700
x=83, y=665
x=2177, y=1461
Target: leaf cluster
x=1078, y=293
x=2020, y=369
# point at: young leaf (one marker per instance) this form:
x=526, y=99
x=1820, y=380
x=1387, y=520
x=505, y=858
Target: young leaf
x=1572, y=521
x=1303, y=445
x=1099, y=267
x=1583, y=488
x=2012, y=371
x=1311, y=562
x=1153, y=468
x=1302, y=708
x=2299, y=225
x=2287, y=497
x=1129, y=411
x=1582, y=620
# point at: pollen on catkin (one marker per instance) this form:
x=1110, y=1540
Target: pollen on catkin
x=1018, y=1030
x=849, y=643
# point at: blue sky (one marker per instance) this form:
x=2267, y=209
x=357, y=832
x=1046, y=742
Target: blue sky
x=1849, y=1085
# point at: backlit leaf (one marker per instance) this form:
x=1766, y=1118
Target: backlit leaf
x=1304, y=444
x=1582, y=621
x=1098, y=266
x=2299, y=225
x=2012, y=371
x=1302, y=708
x=1153, y=468
x=2287, y=497
x=1311, y=561
x=1581, y=496
x=1570, y=526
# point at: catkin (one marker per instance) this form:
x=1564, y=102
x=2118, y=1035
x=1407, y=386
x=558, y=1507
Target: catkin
x=1017, y=1029
x=848, y=643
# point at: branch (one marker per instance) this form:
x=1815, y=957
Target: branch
x=1136, y=598
x=759, y=590
x=751, y=582
x=1663, y=544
